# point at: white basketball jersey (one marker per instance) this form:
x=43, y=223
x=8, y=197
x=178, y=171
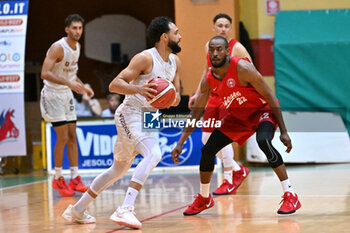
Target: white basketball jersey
x=161, y=69
x=67, y=67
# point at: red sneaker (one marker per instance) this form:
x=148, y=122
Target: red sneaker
x=76, y=185
x=61, y=186
x=225, y=189
x=239, y=176
x=199, y=204
x=290, y=203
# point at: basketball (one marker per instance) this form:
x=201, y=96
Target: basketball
x=165, y=95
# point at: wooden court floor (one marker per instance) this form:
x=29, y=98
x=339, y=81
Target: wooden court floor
x=324, y=191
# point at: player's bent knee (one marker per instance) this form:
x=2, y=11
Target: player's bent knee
x=156, y=155
x=273, y=156
x=207, y=160
x=155, y=158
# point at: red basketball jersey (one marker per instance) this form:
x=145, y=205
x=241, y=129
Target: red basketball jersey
x=230, y=46
x=240, y=101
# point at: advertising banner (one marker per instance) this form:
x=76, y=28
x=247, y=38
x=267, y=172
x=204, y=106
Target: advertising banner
x=96, y=141
x=13, y=24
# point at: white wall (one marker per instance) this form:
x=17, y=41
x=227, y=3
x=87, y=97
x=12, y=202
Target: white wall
x=101, y=32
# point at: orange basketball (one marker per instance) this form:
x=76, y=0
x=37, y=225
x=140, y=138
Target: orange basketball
x=166, y=94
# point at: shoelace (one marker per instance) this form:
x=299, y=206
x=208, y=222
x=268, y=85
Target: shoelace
x=127, y=209
x=81, y=216
x=87, y=216
x=285, y=198
x=76, y=180
x=195, y=200
x=61, y=183
x=223, y=183
x=64, y=184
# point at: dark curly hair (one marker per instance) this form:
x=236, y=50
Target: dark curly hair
x=73, y=18
x=157, y=27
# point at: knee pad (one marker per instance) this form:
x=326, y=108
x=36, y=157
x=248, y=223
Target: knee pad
x=208, y=159
x=273, y=156
x=226, y=155
x=156, y=155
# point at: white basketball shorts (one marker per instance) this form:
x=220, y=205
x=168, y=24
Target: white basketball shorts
x=57, y=105
x=128, y=120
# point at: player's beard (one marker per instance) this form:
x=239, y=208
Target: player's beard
x=220, y=64
x=77, y=38
x=175, y=48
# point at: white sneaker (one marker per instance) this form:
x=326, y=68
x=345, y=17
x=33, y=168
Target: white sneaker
x=125, y=216
x=71, y=215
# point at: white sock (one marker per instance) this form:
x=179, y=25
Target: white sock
x=204, y=190
x=287, y=186
x=73, y=172
x=236, y=166
x=58, y=172
x=83, y=203
x=228, y=176
x=130, y=197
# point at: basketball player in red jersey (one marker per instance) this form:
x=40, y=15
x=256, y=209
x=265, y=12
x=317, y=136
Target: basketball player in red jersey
x=252, y=107
x=234, y=174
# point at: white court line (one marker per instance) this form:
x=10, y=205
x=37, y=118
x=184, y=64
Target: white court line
x=20, y=185
x=236, y=195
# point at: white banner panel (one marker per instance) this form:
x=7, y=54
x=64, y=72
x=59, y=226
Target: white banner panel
x=12, y=128
x=13, y=24
x=317, y=137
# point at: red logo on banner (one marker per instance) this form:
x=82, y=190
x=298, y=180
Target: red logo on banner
x=11, y=22
x=10, y=78
x=7, y=127
x=272, y=6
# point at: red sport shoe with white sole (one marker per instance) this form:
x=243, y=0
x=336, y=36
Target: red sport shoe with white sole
x=76, y=185
x=290, y=203
x=239, y=176
x=61, y=186
x=225, y=189
x=199, y=204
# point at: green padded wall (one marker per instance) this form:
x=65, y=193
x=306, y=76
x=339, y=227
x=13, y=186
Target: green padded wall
x=312, y=61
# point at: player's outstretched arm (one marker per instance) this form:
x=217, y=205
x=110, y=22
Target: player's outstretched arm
x=247, y=74
x=196, y=113
x=141, y=63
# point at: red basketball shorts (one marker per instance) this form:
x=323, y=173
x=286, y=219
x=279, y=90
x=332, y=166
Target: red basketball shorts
x=240, y=130
x=214, y=110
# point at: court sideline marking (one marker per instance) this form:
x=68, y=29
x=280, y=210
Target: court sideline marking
x=20, y=185
x=150, y=218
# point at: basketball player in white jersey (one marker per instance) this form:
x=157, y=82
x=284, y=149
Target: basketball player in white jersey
x=234, y=174
x=59, y=73
x=135, y=82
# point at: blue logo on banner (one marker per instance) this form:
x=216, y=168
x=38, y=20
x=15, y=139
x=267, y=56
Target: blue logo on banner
x=168, y=138
x=5, y=43
x=16, y=57
x=151, y=120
